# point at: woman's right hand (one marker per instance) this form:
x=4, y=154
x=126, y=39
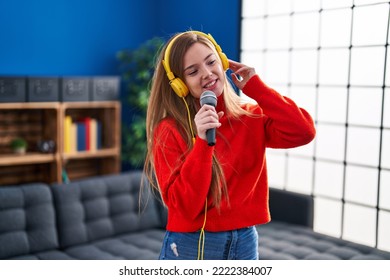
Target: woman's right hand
x=207, y=118
x=241, y=70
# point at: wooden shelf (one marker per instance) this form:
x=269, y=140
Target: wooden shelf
x=45, y=121
x=31, y=105
x=91, y=104
x=14, y=159
x=111, y=152
x=64, y=105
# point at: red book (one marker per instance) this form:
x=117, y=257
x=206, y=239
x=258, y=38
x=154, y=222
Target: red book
x=88, y=133
x=85, y=133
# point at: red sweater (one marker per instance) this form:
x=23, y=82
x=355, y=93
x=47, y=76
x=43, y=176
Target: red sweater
x=184, y=177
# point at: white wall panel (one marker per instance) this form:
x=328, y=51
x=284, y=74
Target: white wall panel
x=252, y=35
x=336, y=28
x=361, y=185
x=384, y=197
x=328, y=216
x=384, y=231
x=329, y=178
x=330, y=141
x=332, y=104
x=277, y=67
x=306, y=5
x=305, y=30
x=386, y=109
x=334, y=67
x=367, y=65
x=363, y=146
x=299, y=175
x=278, y=32
x=365, y=106
x=359, y=224
x=304, y=67
x=370, y=25
x=385, y=159
x=276, y=164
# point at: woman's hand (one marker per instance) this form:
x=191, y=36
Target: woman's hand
x=241, y=73
x=207, y=118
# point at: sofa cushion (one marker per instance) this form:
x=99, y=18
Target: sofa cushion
x=27, y=220
x=143, y=245
x=285, y=241
x=46, y=255
x=101, y=207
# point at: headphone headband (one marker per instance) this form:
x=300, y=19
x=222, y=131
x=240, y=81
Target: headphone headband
x=178, y=86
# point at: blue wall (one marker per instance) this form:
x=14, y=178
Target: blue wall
x=82, y=37
x=220, y=18
x=69, y=37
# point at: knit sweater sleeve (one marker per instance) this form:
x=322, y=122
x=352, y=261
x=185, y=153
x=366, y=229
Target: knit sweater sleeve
x=184, y=176
x=286, y=125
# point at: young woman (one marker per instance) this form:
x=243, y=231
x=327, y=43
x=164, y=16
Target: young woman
x=215, y=195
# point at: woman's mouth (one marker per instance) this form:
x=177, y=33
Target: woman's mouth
x=210, y=84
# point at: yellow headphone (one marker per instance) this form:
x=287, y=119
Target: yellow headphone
x=178, y=86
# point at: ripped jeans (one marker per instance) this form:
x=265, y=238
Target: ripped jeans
x=241, y=244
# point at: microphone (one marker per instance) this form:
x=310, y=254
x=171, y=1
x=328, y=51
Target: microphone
x=209, y=98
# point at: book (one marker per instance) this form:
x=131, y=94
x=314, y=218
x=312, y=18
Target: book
x=87, y=122
x=93, y=134
x=81, y=136
x=73, y=138
x=99, y=140
x=67, y=134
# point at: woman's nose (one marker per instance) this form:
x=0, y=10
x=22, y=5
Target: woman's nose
x=206, y=72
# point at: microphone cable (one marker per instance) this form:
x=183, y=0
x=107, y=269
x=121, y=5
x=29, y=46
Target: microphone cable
x=202, y=235
x=189, y=120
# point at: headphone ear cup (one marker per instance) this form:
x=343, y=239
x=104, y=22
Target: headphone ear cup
x=224, y=60
x=179, y=87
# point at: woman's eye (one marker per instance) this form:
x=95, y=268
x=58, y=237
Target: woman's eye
x=212, y=62
x=192, y=72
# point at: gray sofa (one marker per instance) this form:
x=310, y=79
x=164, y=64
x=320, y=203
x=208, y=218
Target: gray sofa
x=100, y=218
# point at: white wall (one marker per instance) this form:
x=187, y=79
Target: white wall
x=331, y=57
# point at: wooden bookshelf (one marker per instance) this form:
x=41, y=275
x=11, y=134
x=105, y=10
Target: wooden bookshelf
x=45, y=121
x=102, y=161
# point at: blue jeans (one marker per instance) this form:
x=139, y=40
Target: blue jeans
x=241, y=244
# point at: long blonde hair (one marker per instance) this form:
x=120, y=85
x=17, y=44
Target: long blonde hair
x=163, y=102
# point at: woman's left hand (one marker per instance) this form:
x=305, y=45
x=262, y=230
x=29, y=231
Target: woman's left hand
x=242, y=71
x=207, y=118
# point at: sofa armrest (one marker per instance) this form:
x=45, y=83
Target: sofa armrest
x=27, y=220
x=291, y=207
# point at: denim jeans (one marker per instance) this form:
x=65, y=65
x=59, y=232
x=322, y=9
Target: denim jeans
x=241, y=244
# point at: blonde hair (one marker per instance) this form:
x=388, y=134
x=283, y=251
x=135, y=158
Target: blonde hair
x=163, y=102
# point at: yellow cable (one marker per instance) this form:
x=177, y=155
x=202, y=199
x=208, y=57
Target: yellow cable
x=202, y=236
x=189, y=120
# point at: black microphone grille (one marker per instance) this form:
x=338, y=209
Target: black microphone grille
x=208, y=97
